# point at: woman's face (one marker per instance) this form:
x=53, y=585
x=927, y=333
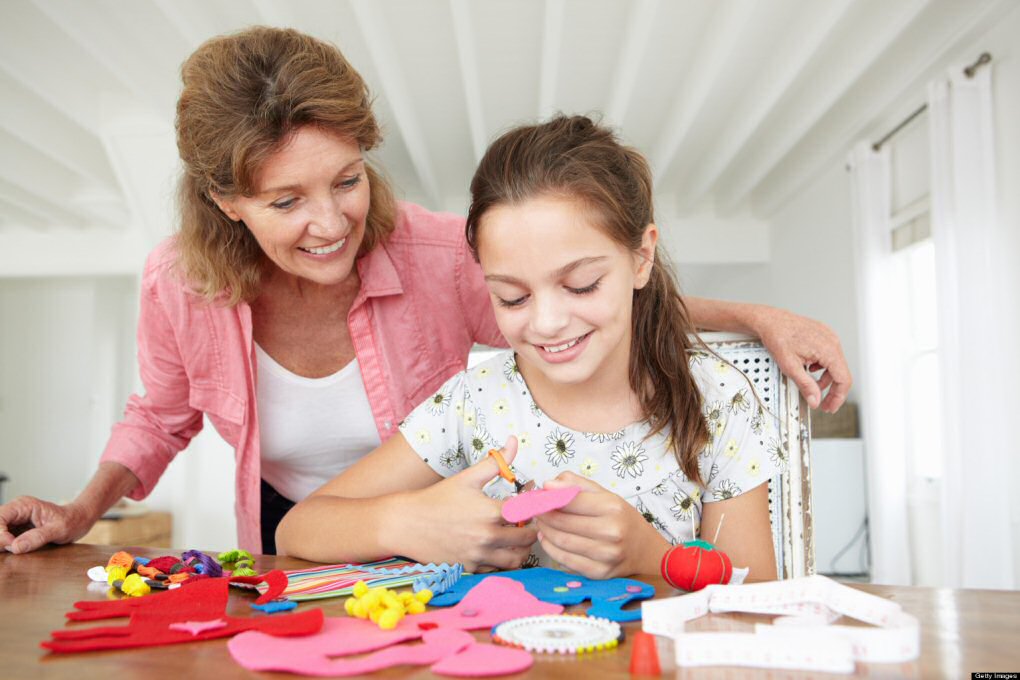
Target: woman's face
x=561, y=287
x=309, y=208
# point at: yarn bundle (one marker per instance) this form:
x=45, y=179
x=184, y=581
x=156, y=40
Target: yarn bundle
x=137, y=576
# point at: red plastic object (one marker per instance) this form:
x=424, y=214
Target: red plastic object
x=644, y=657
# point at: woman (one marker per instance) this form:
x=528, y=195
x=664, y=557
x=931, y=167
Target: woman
x=300, y=307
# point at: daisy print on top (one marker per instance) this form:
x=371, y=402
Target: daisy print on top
x=478, y=409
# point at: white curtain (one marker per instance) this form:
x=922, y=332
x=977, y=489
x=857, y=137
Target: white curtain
x=970, y=272
x=882, y=402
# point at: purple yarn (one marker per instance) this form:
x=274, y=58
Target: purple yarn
x=205, y=564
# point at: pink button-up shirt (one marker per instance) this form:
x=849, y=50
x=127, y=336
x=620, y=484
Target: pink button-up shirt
x=422, y=304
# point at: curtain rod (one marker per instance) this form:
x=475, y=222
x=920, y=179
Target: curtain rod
x=968, y=71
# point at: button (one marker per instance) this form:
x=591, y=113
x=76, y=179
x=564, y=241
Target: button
x=387, y=425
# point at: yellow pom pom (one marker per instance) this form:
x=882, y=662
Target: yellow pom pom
x=135, y=586
x=389, y=619
x=349, y=606
x=114, y=574
x=359, y=609
x=391, y=601
x=424, y=596
x=415, y=607
x=371, y=598
x=360, y=588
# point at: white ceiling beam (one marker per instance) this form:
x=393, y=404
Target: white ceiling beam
x=549, y=64
x=464, y=36
x=905, y=68
x=392, y=83
x=640, y=21
x=39, y=206
x=819, y=21
x=17, y=216
x=25, y=116
x=46, y=181
x=142, y=148
x=193, y=32
x=103, y=42
x=69, y=252
x=751, y=168
x=273, y=12
x=67, y=79
x=718, y=41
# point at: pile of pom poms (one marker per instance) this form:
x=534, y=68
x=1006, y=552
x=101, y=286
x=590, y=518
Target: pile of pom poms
x=137, y=576
x=696, y=564
x=383, y=606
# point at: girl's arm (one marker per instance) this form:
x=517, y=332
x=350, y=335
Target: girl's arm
x=746, y=533
x=392, y=503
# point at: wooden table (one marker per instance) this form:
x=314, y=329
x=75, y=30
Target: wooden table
x=963, y=631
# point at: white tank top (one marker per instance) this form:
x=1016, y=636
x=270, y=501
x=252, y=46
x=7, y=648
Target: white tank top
x=311, y=429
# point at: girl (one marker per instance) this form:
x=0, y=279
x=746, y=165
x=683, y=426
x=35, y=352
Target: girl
x=602, y=389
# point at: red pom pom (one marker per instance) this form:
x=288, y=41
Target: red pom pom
x=692, y=566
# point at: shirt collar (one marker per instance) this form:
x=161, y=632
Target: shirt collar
x=378, y=274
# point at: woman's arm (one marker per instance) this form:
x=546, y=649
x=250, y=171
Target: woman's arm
x=392, y=503
x=746, y=533
x=52, y=523
x=799, y=345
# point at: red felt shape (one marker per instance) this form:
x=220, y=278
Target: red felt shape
x=157, y=619
x=495, y=600
x=531, y=504
x=692, y=566
x=275, y=579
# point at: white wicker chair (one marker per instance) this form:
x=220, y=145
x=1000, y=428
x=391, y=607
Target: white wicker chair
x=790, y=491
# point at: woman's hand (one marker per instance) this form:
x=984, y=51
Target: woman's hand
x=802, y=346
x=455, y=522
x=598, y=534
x=47, y=523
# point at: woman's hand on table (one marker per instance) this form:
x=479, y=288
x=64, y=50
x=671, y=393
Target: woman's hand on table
x=47, y=522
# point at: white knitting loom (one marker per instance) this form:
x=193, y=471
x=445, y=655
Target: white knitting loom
x=801, y=638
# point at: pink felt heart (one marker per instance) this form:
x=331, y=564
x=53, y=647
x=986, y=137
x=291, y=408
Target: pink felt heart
x=482, y=659
x=533, y=503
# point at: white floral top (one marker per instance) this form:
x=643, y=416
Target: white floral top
x=476, y=410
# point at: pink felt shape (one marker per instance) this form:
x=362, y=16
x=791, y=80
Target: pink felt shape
x=482, y=659
x=153, y=618
x=196, y=627
x=534, y=503
x=494, y=600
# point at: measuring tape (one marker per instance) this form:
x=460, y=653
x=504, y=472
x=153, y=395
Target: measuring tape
x=801, y=638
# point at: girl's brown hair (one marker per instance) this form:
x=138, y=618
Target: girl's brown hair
x=243, y=95
x=576, y=159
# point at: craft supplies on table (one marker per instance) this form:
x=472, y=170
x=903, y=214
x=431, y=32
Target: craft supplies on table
x=560, y=634
x=802, y=636
x=338, y=580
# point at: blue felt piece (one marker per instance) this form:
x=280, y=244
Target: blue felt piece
x=607, y=597
x=274, y=606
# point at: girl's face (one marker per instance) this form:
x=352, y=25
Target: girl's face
x=308, y=212
x=562, y=289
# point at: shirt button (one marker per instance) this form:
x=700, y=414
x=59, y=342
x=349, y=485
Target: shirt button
x=387, y=424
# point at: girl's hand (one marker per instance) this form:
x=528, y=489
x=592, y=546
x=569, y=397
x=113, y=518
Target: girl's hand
x=457, y=522
x=598, y=534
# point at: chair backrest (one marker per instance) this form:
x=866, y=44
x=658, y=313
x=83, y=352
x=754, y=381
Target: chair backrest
x=789, y=491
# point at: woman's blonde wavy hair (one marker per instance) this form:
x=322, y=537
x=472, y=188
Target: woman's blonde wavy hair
x=243, y=95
